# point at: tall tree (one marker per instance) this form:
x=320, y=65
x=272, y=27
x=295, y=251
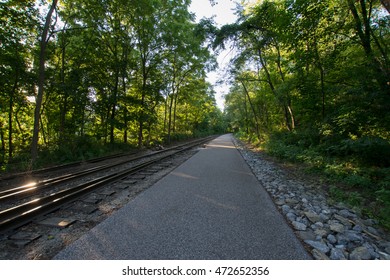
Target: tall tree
x=104, y=70
x=44, y=40
x=326, y=60
x=17, y=23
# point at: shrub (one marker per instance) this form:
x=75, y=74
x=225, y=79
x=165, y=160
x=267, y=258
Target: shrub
x=373, y=151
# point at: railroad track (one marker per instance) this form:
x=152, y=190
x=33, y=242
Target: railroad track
x=33, y=187
x=24, y=212
x=62, y=166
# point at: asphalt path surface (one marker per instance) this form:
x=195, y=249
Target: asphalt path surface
x=210, y=207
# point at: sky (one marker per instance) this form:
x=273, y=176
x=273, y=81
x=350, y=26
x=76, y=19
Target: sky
x=224, y=14
x=223, y=10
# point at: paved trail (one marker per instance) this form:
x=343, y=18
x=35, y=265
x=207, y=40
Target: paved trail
x=210, y=207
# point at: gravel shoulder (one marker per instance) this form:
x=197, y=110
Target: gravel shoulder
x=329, y=231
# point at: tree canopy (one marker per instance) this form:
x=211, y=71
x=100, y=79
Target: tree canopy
x=310, y=81
x=75, y=74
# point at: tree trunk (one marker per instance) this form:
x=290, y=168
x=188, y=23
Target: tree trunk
x=10, y=118
x=166, y=113
x=174, y=112
x=246, y=116
x=2, y=150
x=113, y=108
x=170, y=117
x=363, y=30
x=173, y=96
x=288, y=113
x=253, y=110
x=64, y=105
x=143, y=97
x=321, y=69
x=141, y=122
x=41, y=81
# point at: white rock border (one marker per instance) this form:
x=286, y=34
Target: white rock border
x=333, y=232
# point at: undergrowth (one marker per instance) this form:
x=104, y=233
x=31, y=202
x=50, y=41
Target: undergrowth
x=80, y=149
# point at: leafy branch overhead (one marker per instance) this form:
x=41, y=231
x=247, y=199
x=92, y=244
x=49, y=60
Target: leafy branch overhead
x=101, y=72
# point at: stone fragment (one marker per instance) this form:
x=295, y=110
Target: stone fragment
x=318, y=255
x=280, y=202
x=318, y=245
x=337, y=254
x=324, y=217
x=303, y=221
x=369, y=222
x=337, y=228
x=360, y=253
x=343, y=220
x=292, y=201
x=291, y=216
x=353, y=236
x=331, y=238
x=313, y=217
x=347, y=214
x=341, y=239
x=373, y=249
x=321, y=232
x=319, y=225
x=306, y=235
x=372, y=231
x=384, y=256
x=358, y=228
x=299, y=226
x=286, y=209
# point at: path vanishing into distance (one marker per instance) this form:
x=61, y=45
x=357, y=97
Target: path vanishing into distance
x=210, y=207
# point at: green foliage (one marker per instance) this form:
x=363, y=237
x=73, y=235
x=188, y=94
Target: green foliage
x=310, y=83
x=81, y=148
x=116, y=72
x=352, y=198
x=371, y=151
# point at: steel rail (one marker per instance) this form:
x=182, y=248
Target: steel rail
x=21, y=214
x=33, y=187
x=63, y=166
x=66, y=165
